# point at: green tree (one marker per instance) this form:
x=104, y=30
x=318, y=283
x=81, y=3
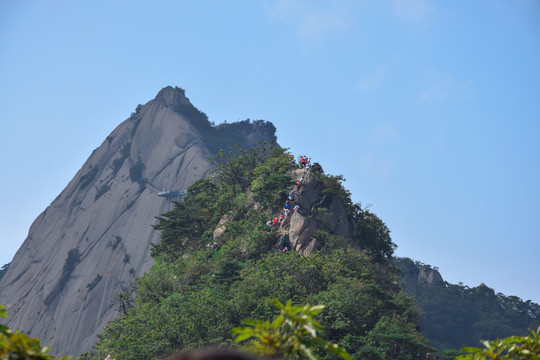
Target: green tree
x=373, y=234
x=293, y=334
x=392, y=338
x=181, y=231
x=513, y=347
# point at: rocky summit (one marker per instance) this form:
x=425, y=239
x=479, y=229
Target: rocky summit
x=62, y=285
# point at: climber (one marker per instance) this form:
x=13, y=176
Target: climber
x=287, y=205
x=302, y=162
x=299, y=183
x=287, y=212
x=296, y=208
x=308, y=166
x=285, y=249
x=281, y=217
x=283, y=242
x=291, y=196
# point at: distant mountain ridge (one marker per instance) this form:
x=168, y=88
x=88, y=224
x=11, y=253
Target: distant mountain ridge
x=95, y=237
x=454, y=316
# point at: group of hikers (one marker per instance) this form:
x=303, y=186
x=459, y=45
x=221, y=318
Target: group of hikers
x=290, y=205
x=305, y=162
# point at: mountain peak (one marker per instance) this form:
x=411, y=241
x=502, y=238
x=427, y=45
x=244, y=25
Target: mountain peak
x=172, y=97
x=95, y=238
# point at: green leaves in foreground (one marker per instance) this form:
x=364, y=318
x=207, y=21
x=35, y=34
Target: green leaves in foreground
x=513, y=347
x=292, y=334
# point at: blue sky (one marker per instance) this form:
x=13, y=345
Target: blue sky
x=430, y=109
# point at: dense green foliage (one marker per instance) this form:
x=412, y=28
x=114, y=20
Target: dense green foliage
x=454, y=316
x=202, y=285
x=292, y=334
x=513, y=347
x=15, y=345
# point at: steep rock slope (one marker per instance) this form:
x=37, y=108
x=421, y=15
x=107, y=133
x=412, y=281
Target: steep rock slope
x=300, y=229
x=95, y=237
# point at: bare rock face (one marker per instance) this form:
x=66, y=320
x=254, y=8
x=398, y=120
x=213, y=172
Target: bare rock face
x=300, y=231
x=429, y=276
x=95, y=237
x=310, y=197
x=222, y=226
x=309, y=194
x=339, y=221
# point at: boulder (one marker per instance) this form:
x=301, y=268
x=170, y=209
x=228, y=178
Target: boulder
x=339, y=221
x=310, y=192
x=429, y=276
x=222, y=225
x=301, y=230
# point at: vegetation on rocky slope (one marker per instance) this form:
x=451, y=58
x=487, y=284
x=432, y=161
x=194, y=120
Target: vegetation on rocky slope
x=219, y=263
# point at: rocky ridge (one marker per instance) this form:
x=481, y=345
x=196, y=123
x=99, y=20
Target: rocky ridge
x=299, y=227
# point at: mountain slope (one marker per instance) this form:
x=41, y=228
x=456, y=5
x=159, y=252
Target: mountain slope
x=454, y=316
x=221, y=259
x=95, y=237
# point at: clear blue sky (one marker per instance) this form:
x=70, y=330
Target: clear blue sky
x=430, y=109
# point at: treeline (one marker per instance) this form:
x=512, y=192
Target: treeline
x=454, y=316
x=203, y=285
x=225, y=135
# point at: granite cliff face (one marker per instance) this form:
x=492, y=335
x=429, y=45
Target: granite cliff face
x=95, y=237
x=301, y=229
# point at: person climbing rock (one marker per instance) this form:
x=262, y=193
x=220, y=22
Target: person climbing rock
x=286, y=212
x=302, y=162
x=284, y=242
x=296, y=208
x=299, y=183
